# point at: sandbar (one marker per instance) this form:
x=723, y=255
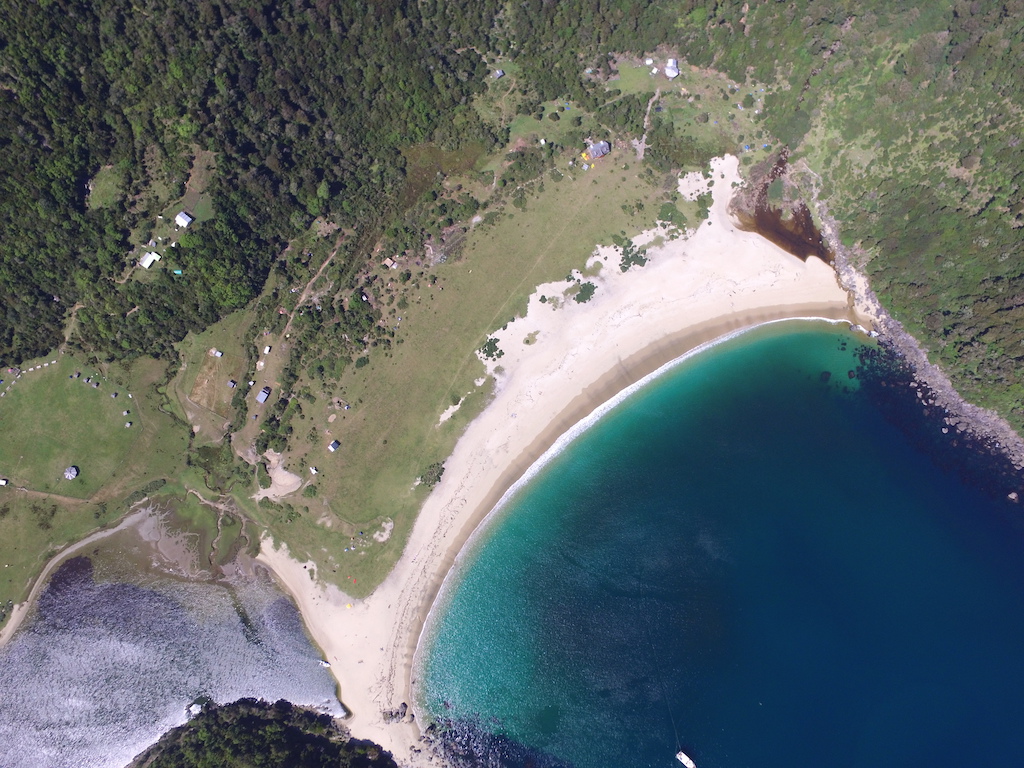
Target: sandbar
x=560, y=362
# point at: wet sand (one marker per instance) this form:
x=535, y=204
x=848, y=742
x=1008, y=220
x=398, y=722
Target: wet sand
x=717, y=281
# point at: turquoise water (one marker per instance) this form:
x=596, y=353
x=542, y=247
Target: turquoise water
x=754, y=559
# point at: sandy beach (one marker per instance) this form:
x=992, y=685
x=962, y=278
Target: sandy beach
x=560, y=362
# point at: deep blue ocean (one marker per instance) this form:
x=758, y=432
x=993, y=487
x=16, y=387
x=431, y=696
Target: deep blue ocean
x=765, y=558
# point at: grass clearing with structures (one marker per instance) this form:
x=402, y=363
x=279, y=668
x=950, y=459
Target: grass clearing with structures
x=391, y=432
x=60, y=415
x=397, y=400
x=51, y=422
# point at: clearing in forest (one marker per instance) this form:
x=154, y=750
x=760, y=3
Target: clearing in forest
x=59, y=415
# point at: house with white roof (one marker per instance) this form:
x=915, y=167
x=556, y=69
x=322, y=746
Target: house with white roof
x=183, y=219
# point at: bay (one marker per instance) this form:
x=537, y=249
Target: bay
x=756, y=559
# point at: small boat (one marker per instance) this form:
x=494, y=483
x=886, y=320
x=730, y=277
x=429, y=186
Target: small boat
x=683, y=758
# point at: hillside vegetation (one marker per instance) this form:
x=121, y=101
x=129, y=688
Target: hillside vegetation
x=371, y=202
x=254, y=734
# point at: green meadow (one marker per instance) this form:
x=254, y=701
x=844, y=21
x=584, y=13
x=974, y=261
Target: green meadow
x=51, y=421
x=391, y=433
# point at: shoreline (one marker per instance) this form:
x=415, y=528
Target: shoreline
x=982, y=424
x=560, y=362
x=21, y=610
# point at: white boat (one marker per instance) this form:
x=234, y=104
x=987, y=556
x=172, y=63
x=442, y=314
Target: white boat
x=683, y=758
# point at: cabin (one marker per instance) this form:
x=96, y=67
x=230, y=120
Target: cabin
x=263, y=395
x=218, y=353
x=3, y=481
x=594, y=151
x=499, y=73
x=149, y=260
x=183, y=219
x=313, y=470
x=672, y=69
x=266, y=350
x=335, y=445
x=232, y=384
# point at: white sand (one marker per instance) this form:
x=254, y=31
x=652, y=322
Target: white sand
x=282, y=482
x=691, y=291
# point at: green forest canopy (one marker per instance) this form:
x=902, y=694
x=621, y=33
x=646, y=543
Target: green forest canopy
x=907, y=113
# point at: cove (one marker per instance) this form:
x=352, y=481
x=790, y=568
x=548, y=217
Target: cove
x=757, y=558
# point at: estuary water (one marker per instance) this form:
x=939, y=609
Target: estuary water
x=104, y=666
x=771, y=555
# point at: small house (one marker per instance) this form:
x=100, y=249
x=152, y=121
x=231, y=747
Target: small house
x=149, y=259
x=127, y=424
x=218, y=353
x=672, y=69
x=312, y=470
x=266, y=350
x=594, y=151
x=263, y=395
x=389, y=263
x=3, y=481
x=183, y=219
x=232, y=384
x=499, y=73
x=335, y=445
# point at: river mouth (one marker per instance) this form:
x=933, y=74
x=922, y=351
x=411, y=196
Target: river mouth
x=131, y=631
x=790, y=225
x=793, y=230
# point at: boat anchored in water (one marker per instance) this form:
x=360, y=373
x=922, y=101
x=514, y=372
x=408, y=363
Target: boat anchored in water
x=683, y=758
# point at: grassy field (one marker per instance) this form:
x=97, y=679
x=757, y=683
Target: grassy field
x=391, y=433
x=200, y=388
x=212, y=389
x=50, y=422
x=54, y=420
x=697, y=92
x=353, y=516
x=105, y=188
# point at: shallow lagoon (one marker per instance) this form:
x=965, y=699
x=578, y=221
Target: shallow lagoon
x=112, y=655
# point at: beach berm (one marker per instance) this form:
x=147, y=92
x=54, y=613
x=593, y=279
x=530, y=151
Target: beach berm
x=559, y=363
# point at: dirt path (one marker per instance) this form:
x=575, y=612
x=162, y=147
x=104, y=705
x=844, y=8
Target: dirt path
x=69, y=329
x=640, y=145
x=309, y=286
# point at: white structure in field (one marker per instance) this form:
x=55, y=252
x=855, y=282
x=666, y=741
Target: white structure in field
x=71, y=473
x=149, y=260
x=183, y=219
x=672, y=69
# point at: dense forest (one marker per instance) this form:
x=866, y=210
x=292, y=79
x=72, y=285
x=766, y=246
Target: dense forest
x=903, y=119
x=307, y=106
x=254, y=734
